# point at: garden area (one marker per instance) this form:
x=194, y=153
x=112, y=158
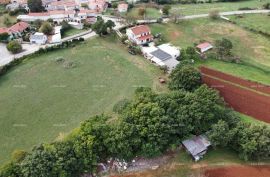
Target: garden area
x=255, y=62
x=48, y=95
x=205, y=8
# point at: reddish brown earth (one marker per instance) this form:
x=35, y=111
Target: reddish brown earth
x=241, y=95
x=239, y=171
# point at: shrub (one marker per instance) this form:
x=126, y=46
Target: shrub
x=166, y=9
x=14, y=47
x=266, y=6
x=214, y=14
x=120, y=106
x=141, y=11
x=46, y=28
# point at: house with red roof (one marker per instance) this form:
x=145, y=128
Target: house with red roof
x=15, y=30
x=203, y=47
x=140, y=34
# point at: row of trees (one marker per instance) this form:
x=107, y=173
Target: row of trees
x=148, y=125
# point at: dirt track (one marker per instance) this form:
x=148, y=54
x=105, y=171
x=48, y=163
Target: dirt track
x=239, y=171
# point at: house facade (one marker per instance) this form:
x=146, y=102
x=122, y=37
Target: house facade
x=139, y=34
x=38, y=38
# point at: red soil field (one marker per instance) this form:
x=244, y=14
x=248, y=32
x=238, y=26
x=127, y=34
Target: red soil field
x=239, y=171
x=245, y=83
x=240, y=99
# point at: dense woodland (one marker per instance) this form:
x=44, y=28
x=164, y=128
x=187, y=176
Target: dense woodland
x=147, y=125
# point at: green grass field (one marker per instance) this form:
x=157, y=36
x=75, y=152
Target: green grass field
x=192, y=9
x=259, y=22
x=151, y=13
x=253, y=49
x=41, y=99
x=72, y=31
x=12, y=20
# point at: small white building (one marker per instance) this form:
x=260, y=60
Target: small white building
x=163, y=55
x=140, y=34
x=203, y=47
x=38, y=38
x=56, y=38
x=122, y=7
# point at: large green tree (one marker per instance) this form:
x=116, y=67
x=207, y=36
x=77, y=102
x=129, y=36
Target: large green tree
x=185, y=77
x=35, y=5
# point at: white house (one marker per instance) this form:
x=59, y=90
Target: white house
x=139, y=34
x=203, y=47
x=38, y=38
x=163, y=55
x=56, y=38
x=122, y=7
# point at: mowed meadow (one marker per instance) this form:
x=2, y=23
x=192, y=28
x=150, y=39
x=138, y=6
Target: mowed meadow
x=47, y=96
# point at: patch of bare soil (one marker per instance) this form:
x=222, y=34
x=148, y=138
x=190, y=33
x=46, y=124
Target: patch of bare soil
x=239, y=171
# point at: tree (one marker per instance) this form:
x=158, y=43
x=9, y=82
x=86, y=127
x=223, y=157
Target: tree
x=141, y=11
x=220, y=134
x=176, y=15
x=39, y=163
x=65, y=27
x=10, y=169
x=46, y=28
x=14, y=47
x=266, y=6
x=4, y=36
x=166, y=9
x=185, y=77
x=35, y=5
x=114, y=5
x=101, y=28
x=223, y=47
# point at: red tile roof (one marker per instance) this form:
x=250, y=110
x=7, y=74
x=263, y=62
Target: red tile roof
x=38, y=14
x=204, y=45
x=19, y=27
x=3, y=30
x=140, y=29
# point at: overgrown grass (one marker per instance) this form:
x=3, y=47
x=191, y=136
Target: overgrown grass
x=12, y=20
x=259, y=22
x=151, y=13
x=253, y=49
x=43, y=97
x=192, y=9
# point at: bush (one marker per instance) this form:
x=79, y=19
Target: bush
x=185, y=77
x=120, y=106
x=166, y=9
x=46, y=28
x=214, y=14
x=14, y=47
x=266, y=6
x=141, y=11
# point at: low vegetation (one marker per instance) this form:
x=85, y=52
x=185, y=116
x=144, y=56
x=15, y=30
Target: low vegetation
x=147, y=126
x=14, y=47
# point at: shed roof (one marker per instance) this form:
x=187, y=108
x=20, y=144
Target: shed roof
x=196, y=145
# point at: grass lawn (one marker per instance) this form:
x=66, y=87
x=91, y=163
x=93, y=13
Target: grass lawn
x=191, y=9
x=41, y=99
x=151, y=13
x=12, y=20
x=72, y=31
x=253, y=49
x=260, y=22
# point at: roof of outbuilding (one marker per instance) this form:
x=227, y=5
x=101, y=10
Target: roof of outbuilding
x=204, y=45
x=196, y=145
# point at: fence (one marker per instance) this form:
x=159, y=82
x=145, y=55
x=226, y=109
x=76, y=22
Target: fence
x=240, y=94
